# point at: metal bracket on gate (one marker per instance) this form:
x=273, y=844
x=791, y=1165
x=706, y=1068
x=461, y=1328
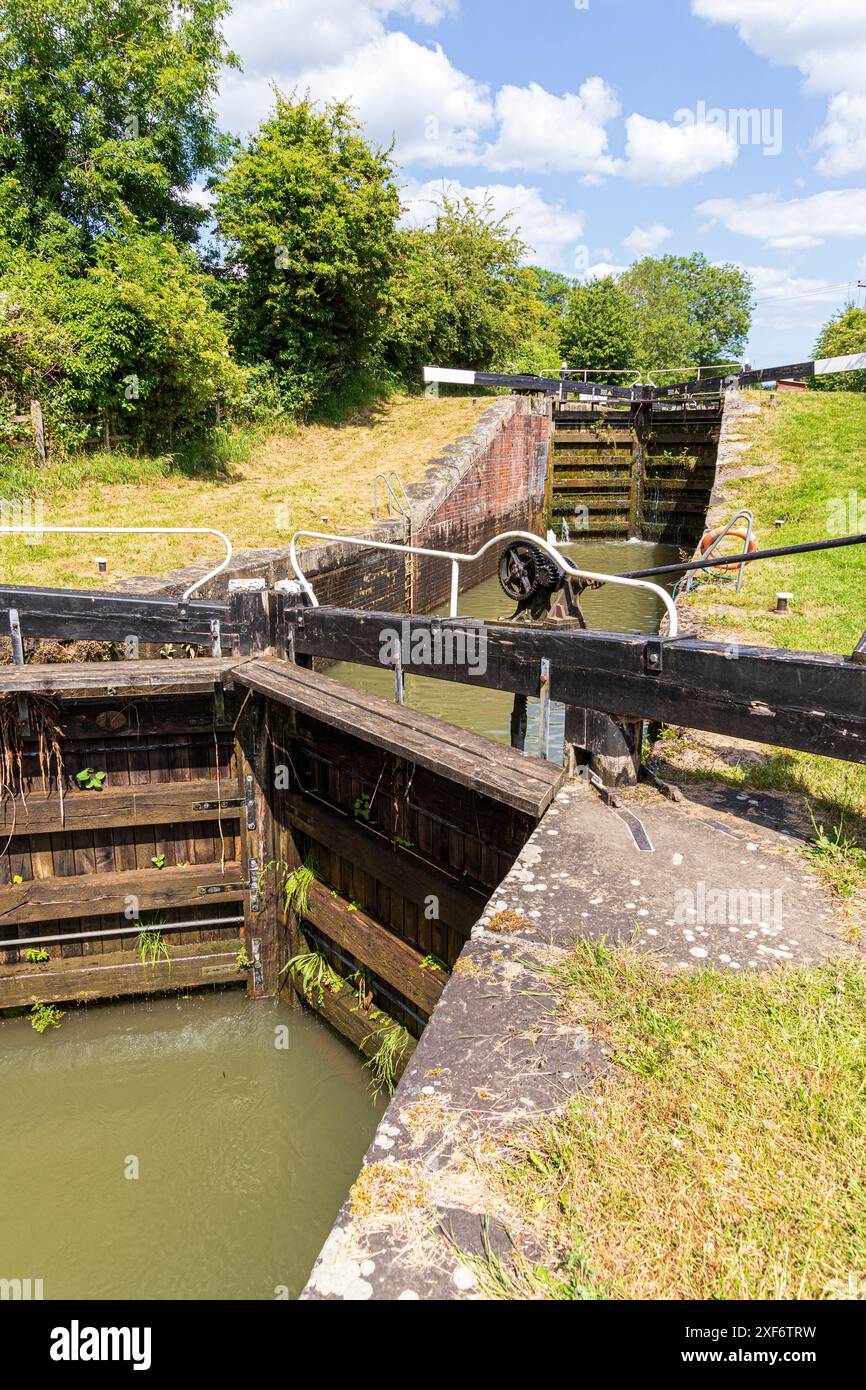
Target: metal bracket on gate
x=208, y=890
x=249, y=798
x=258, y=979
x=231, y=803
x=18, y=660
x=255, y=896
x=653, y=656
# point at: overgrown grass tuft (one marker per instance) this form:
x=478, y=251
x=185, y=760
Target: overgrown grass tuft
x=724, y=1153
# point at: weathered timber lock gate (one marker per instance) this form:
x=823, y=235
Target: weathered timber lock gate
x=224, y=772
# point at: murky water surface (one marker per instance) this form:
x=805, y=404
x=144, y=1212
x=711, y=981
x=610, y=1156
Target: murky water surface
x=245, y=1149
x=611, y=609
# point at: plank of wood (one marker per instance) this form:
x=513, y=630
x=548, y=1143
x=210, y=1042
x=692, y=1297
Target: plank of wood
x=72, y=614
x=119, y=973
x=460, y=903
x=393, y=960
x=806, y=700
x=55, y=899
x=526, y=784
x=54, y=678
x=162, y=803
x=339, y=1010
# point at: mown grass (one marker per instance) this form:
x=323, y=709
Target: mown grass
x=256, y=485
x=817, y=444
x=723, y=1155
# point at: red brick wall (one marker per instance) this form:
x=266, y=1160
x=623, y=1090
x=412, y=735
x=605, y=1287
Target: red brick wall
x=502, y=491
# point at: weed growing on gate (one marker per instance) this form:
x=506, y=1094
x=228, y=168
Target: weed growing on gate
x=384, y=1064
x=43, y=1016
x=151, y=947
x=315, y=974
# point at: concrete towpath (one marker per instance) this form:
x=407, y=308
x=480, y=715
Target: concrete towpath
x=713, y=881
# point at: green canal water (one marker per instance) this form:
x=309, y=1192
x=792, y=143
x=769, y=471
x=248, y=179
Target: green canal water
x=245, y=1148
x=612, y=608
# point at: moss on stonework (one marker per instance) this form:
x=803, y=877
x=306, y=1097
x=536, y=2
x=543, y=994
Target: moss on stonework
x=509, y=922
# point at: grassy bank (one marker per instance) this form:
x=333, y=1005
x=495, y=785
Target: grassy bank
x=255, y=485
x=722, y=1156
x=816, y=446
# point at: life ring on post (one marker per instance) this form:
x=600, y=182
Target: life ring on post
x=710, y=537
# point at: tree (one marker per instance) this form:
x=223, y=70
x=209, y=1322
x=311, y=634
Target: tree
x=844, y=335
x=551, y=287
x=687, y=311
x=133, y=342
x=307, y=212
x=665, y=336
x=598, y=327
x=459, y=296
x=106, y=115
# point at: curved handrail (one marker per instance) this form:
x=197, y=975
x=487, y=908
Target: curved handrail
x=457, y=558
x=39, y=529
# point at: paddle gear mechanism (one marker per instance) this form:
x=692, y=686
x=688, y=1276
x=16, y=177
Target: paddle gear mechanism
x=530, y=577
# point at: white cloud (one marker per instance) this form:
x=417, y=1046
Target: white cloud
x=827, y=42
x=290, y=35
x=843, y=136
x=786, y=302
x=550, y=230
x=644, y=240
x=601, y=269
x=665, y=155
x=547, y=133
x=795, y=224
x=307, y=43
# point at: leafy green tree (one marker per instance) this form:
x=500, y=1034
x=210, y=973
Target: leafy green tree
x=459, y=296
x=551, y=287
x=132, y=343
x=687, y=311
x=844, y=335
x=665, y=336
x=598, y=327
x=307, y=212
x=105, y=115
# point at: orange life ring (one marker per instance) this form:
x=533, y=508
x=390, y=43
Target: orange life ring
x=709, y=537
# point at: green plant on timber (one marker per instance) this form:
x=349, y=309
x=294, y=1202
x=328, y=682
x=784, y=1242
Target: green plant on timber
x=90, y=780
x=34, y=955
x=384, y=1064
x=362, y=807
x=158, y=861
x=432, y=963
x=151, y=948
x=315, y=975
x=243, y=960
x=296, y=884
x=44, y=1016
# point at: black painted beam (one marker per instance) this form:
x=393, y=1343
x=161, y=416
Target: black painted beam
x=804, y=700
x=85, y=614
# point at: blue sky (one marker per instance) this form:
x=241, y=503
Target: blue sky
x=611, y=128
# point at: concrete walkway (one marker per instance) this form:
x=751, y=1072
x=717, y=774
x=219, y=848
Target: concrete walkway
x=717, y=881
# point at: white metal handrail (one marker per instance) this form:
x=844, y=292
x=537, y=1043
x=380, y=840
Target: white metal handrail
x=36, y=528
x=457, y=558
